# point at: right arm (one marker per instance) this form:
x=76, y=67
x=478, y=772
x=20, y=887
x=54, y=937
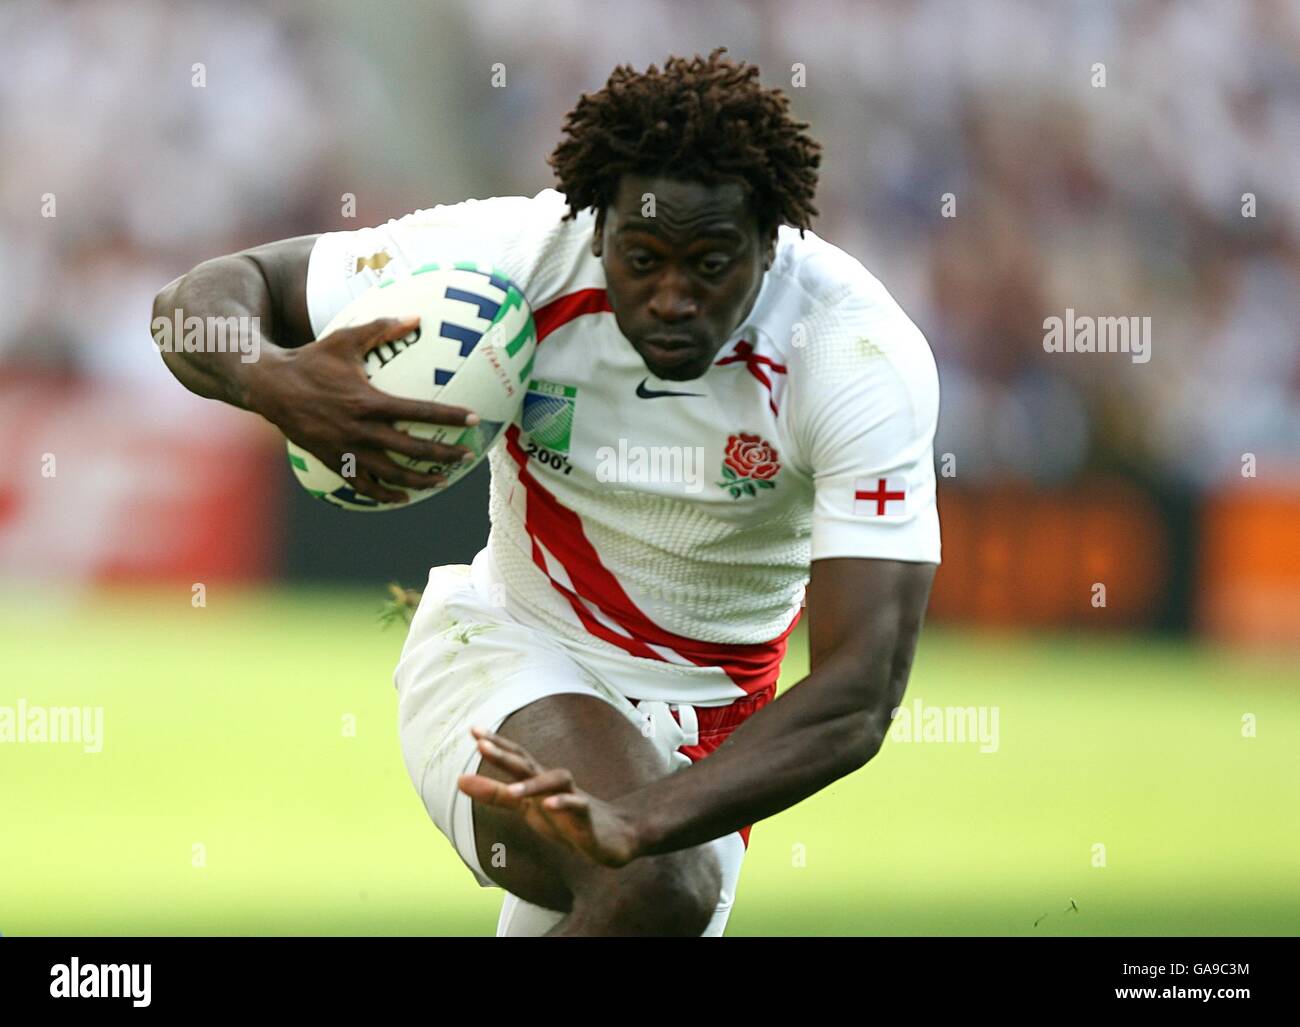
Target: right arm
x=256, y=283
x=315, y=392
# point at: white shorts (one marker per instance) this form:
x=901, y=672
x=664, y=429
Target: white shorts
x=467, y=662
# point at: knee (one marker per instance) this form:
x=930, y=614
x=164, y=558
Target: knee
x=668, y=896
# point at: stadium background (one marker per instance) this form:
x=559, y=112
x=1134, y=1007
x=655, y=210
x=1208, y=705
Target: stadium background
x=250, y=780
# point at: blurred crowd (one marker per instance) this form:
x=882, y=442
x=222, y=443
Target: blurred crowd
x=993, y=163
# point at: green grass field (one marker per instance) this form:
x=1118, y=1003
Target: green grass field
x=224, y=727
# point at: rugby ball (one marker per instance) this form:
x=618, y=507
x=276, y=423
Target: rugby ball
x=473, y=348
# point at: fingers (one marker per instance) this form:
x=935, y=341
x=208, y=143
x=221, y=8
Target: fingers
x=371, y=474
x=516, y=762
x=384, y=407
x=535, y=790
x=500, y=742
x=380, y=466
x=370, y=471
x=487, y=790
x=568, y=803
x=363, y=338
x=370, y=486
x=533, y=780
x=382, y=436
x=548, y=781
x=508, y=754
x=374, y=475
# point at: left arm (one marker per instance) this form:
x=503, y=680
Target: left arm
x=864, y=618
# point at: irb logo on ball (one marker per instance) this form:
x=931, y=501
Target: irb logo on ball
x=473, y=348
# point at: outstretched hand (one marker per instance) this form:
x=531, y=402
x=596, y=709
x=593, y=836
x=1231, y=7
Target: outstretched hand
x=550, y=803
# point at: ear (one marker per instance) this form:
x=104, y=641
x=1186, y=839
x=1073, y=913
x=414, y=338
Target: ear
x=598, y=234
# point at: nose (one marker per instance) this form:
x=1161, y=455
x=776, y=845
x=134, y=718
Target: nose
x=672, y=299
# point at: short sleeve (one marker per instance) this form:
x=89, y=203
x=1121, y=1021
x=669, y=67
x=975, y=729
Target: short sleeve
x=343, y=265
x=866, y=407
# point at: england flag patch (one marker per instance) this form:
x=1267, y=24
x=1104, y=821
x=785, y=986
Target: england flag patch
x=880, y=497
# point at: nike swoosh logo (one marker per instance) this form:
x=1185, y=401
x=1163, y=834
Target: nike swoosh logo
x=645, y=393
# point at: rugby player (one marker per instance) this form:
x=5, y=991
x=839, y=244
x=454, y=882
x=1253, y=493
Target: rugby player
x=587, y=710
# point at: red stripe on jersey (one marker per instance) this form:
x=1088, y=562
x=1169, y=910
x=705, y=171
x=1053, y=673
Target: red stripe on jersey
x=557, y=528
x=754, y=363
x=565, y=308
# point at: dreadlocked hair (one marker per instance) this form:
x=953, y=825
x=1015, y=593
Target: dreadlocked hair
x=700, y=119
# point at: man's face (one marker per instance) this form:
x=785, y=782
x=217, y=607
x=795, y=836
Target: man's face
x=680, y=281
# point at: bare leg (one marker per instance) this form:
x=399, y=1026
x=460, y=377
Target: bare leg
x=673, y=894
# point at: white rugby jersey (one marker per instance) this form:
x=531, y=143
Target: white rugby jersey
x=671, y=524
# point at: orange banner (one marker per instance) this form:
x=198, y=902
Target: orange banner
x=1093, y=555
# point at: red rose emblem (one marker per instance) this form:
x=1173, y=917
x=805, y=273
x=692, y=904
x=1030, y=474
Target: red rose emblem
x=750, y=457
x=748, y=460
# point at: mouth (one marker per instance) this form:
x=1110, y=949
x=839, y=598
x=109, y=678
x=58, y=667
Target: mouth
x=670, y=350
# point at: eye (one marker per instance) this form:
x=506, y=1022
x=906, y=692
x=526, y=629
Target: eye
x=640, y=260
x=714, y=264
